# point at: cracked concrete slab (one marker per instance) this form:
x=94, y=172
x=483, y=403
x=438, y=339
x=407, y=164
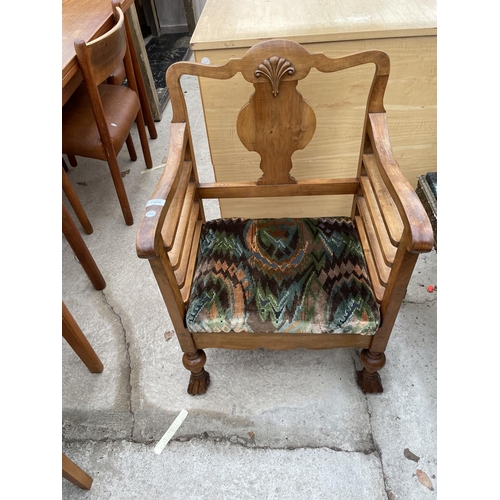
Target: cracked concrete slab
x=221, y=470
x=261, y=392
x=96, y=405
x=404, y=416
x=263, y=407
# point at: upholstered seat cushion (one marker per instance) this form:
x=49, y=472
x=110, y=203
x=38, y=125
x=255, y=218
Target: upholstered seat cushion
x=282, y=275
x=80, y=135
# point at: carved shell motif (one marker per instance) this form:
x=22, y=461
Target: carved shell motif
x=274, y=69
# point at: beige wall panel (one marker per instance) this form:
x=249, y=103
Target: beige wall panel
x=285, y=206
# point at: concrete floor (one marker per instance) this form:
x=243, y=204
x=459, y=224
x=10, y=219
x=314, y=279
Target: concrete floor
x=277, y=425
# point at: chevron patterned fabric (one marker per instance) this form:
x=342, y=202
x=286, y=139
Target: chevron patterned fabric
x=282, y=275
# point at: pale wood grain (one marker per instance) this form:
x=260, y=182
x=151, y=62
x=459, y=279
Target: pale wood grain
x=226, y=23
x=287, y=206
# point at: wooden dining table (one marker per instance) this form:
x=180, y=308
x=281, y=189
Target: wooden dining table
x=89, y=19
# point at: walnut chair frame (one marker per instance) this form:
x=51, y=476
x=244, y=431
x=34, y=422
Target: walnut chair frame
x=390, y=220
x=98, y=117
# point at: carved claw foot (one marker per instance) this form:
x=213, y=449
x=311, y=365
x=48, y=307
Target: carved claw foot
x=198, y=384
x=200, y=379
x=368, y=378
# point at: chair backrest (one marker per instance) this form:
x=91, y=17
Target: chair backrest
x=99, y=58
x=277, y=121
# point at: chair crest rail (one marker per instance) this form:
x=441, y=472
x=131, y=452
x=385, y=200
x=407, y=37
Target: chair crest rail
x=250, y=66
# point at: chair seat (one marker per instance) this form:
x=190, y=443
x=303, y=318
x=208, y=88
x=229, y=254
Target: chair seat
x=282, y=276
x=80, y=136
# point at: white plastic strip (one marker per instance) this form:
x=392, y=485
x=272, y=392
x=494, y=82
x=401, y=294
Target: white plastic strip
x=170, y=432
x=147, y=170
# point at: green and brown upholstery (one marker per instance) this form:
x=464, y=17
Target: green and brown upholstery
x=282, y=275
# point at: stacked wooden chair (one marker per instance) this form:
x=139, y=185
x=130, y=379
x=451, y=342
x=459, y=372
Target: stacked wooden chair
x=283, y=283
x=98, y=117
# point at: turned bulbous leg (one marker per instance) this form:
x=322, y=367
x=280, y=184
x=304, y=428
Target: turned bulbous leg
x=368, y=378
x=200, y=379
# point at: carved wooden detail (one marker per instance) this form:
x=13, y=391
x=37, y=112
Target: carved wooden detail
x=276, y=127
x=200, y=379
x=368, y=378
x=274, y=69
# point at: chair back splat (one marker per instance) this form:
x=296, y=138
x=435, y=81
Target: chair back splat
x=284, y=283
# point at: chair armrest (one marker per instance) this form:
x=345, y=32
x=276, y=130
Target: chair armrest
x=149, y=231
x=419, y=235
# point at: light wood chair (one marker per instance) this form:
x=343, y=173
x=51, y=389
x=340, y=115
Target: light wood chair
x=82, y=252
x=76, y=204
x=75, y=474
x=317, y=283
x=73, y=334
x=98, y=117
x=119, y=77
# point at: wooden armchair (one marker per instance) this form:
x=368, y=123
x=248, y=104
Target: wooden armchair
x=285, y=283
